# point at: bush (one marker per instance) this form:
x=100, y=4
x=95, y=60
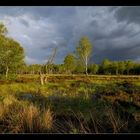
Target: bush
x=12, y=77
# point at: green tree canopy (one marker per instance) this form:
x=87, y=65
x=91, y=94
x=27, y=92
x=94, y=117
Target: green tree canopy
x=106, y=66
x=3, y=30
x=93, y=68
x=11, y=52
x=70, y=63
x=121, y=66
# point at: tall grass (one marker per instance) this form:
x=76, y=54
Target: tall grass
x=25, y=119
x=30, y=120
x=115, y=121
x=2, y=110
x=35, y=121
x=48, y=119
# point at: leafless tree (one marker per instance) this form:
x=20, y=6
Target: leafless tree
x=43, y=75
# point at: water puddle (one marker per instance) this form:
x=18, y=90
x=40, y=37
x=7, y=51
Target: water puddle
x=26, y=96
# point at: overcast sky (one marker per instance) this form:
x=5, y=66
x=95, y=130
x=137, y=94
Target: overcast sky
x=113, y=31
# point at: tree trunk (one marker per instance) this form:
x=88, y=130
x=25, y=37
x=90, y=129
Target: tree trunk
x=6, y=74
x=45, y=79
x=41, y=79
x=86, y=66
x=86, y=71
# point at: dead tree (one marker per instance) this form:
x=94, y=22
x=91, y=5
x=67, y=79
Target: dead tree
x=43, y=75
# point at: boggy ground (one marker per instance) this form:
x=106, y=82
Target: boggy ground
x=70, y=104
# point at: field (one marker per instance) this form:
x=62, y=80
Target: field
x=70, y=104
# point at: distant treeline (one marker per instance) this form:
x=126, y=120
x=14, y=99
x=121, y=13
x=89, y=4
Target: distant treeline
x=107, y=67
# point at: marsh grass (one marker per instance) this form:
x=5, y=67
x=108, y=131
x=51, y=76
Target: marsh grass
x=2, y=110
x=25, y=119
x=70, y=104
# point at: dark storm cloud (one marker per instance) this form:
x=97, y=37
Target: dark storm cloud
x=120, y=53
x=113, y=31
x=128, y=14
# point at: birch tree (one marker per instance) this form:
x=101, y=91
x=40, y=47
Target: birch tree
x=11, y=53
x=84, y=50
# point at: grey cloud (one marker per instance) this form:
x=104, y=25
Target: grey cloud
x=128, y=14
x=24, y=22
x=113, y=31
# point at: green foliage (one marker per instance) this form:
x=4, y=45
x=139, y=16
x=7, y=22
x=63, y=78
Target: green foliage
x=106, y=64
x=11, y=52
x=12, y=77
x=115, y=67
x=3, y=30
x=129, y=65
x=75, y=66
x=93, y=69
x=61, y=68
x=121, y=67
x=70, y=63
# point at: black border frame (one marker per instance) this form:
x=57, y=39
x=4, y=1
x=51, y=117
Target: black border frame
x=68, y=3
